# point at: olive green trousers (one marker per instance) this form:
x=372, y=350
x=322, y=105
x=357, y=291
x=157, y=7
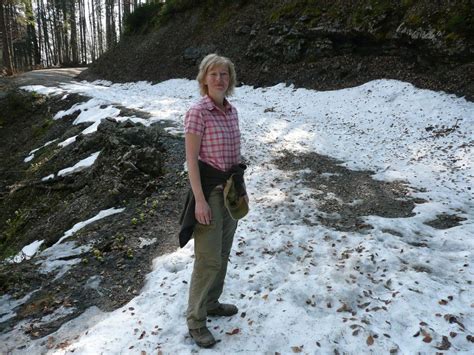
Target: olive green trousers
x=212, y=245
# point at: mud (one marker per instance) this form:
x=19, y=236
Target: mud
x=343, y=196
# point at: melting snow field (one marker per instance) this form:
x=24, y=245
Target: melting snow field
x=300, y=288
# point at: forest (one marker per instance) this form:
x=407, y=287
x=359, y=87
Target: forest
x=47, y=33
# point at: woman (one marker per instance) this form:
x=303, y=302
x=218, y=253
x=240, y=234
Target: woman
x=217, y=197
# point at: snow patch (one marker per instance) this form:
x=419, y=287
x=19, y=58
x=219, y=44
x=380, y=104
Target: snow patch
x=80, y=225
x=79, y=166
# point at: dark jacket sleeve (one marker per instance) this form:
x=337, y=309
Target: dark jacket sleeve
x=187, y=220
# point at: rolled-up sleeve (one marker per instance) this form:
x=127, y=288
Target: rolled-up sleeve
x=193, y=122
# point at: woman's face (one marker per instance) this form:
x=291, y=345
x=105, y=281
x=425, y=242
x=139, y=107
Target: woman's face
x=217, y=80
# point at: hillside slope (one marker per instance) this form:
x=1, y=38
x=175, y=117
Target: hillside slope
x=314, y=44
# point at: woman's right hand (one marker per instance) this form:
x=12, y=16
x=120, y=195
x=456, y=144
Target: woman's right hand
x=202, y=212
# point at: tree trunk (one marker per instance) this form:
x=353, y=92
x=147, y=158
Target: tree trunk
x=126, y=8
x=56, y=34
x=119, y=17
x=84, y=32
x=47, y=45
x=65, y=34
x=92, y=24
x=73, y=21
x=7, y=59
x=33, y=48
x=38, y=24
x=100, y=30
x=108, y=26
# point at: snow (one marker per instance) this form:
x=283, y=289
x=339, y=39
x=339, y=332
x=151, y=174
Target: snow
x=146, y=241
x=7, y=304
x=40, y=89
x=68, y=141
x=59, y=313
x=79, y=166
x=307, y=287
x=58, y=259
x=49, y=177
x=27, y=252
x=80, y=225
x=32, y=153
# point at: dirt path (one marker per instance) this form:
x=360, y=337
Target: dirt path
x=46, y=77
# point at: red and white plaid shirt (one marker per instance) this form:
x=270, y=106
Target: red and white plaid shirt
x=220, y=142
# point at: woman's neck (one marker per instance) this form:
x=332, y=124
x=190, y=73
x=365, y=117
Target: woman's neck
x=218, y=100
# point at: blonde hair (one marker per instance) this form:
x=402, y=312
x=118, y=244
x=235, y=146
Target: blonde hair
x=210, y=61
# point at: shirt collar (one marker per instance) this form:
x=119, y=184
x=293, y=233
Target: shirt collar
x=210, y=105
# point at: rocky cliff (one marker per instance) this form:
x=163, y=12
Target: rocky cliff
x=311, y=43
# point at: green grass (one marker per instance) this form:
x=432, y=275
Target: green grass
x=460, y=20
x=414, y=20
x=143, y=19
x=149, y=16
x=42, y=128
x=12, y=233
x=310, y=8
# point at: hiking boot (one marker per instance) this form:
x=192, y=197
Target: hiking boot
x=223, y=310
x=202, y=337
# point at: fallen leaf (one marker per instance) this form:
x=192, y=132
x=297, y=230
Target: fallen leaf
x=445, y=344
x=453, y=319
x=297, y=349
x=427, y=338
x=344, y=308
x=63, y=345
x=265, y=297
x=235, y=331
x=143, y=352
x=443, y=302
x=370, y=340
x=50, y=344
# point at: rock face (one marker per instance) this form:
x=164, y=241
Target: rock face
x=315, y=44
x=138, y=170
